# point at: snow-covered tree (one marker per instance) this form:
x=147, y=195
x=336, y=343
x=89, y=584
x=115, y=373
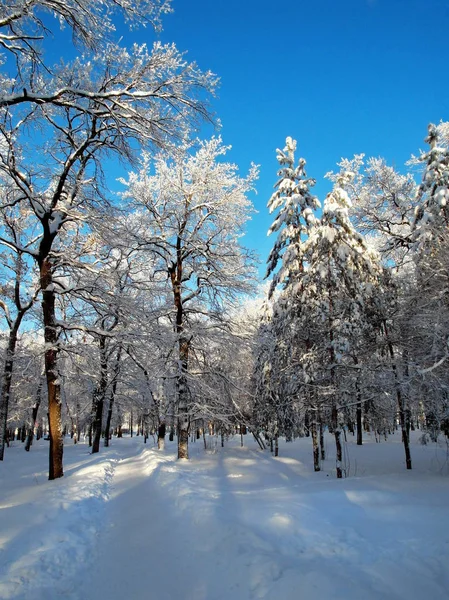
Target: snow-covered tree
x=382, y=205
x=191, y=214
x=296, y=206
x=18, y=293
x=430, y=318
x=339, y=282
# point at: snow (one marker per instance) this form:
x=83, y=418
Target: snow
x=132, y=522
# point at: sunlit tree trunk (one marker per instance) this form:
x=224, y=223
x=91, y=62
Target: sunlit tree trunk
x=51, y=369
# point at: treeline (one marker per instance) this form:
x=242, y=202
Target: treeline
x=128, y=306
x=357, y=335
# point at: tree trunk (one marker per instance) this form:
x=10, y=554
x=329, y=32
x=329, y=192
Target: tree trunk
x=258, y=439
x=183, y=444
x=76, y=433
x=99, y=396
x=322, y=448
x=316, y=450
x=34, y=415
x=183, y=401
x=401, y=402
x=14, y=327
x=51, y=370
x=112, y=396
x=359, y=407
x=97, y=406
x=161, y=436
x=307, y=424
x=337, y=434
x=6, y=384
x=359, y=424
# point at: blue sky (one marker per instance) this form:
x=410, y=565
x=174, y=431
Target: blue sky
x=341, y=77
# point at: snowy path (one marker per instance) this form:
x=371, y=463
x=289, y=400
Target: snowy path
x=240, y=525
x=135, y=523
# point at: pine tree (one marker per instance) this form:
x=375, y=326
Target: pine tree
x=339, y=280
x=296, y=215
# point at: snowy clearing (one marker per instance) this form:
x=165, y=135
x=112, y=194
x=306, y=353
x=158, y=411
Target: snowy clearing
x=232, y=522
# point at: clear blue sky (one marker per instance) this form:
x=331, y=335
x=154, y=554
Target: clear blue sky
x=341, y=77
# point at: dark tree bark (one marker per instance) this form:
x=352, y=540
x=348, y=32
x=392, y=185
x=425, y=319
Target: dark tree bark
x=402, y=408
x=359, y=424
x=316, y=450
x=161, y=436
x=99, y=396
x=322, y=448
x=182, y=404
x=337, y=434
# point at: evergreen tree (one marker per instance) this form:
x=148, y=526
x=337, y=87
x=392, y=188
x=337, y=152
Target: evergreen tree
x=296, y=215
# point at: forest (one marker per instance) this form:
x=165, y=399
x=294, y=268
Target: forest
x=134, y=306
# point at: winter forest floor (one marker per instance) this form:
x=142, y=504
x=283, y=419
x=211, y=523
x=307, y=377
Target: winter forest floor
x=232, y=522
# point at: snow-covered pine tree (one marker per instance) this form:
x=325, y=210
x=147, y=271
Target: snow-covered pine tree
x=296, y=207
x=431, y=306
x=340, y=277
x=432, y=211
x=296, y=215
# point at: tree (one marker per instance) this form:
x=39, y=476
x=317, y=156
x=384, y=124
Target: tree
x=17, y=296
x=296, y=215
x=382, y=206
x=294, y=222
x=431, y=300
x=192, y=211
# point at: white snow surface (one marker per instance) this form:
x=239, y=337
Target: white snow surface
x=231, y=523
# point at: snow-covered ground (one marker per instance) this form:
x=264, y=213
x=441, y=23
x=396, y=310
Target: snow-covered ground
x=233, y=523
